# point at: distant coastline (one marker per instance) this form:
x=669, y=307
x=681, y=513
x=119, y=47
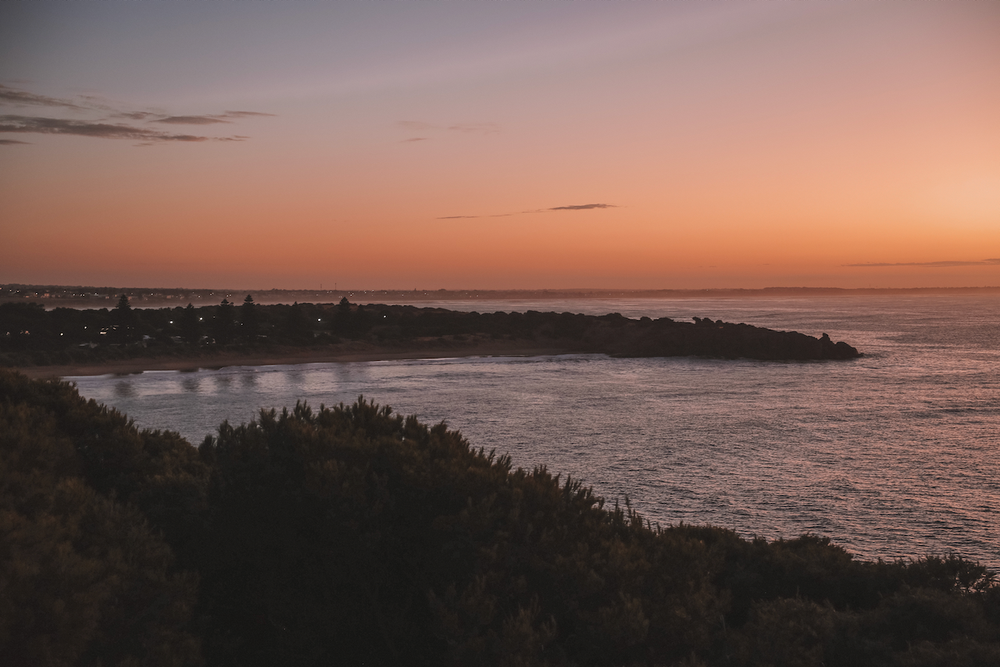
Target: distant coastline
x=77, y=296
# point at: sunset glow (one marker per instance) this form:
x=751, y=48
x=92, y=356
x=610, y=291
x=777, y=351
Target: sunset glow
x=500, y=145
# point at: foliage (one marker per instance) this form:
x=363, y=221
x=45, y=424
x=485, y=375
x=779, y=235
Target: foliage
x=84, y=578
x=249, y=322
x=224, y=324
x=31, y=336
x=190, y=325
x=123, y=329
x=353, y=535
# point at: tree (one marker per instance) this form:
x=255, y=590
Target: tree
x=225, y=323
x=249, y=323
x=190, y=325
x=123, y=318
x=296, y=327
x=343, y=318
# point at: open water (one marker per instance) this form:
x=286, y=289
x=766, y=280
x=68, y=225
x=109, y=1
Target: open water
x=892, y=455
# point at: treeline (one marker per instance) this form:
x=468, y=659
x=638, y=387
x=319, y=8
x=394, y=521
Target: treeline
x=30, y=335
x=350, y=535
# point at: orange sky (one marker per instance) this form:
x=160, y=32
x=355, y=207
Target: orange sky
x=428, y=145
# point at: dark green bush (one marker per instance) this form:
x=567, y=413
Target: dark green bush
x=352, y=535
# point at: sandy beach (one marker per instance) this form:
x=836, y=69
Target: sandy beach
x=337, y=353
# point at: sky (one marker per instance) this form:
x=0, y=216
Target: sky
x=500, y=145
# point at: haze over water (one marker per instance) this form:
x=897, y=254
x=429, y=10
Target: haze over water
x=892, y=455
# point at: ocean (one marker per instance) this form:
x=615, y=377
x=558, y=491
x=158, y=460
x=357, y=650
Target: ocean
x=894, y=455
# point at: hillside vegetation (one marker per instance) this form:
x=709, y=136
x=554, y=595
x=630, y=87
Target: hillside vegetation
x=351, y=535
x=31, y=335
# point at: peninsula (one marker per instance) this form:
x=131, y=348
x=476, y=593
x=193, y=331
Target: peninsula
x=66, y=342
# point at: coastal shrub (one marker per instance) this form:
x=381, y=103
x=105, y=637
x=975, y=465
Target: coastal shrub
x=84, y=579
x=785, y=631
x=354, y=535
x=158, y=471
x=405, y=541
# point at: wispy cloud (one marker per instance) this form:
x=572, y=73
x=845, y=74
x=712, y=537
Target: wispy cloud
x=571, y=207
x=105, y=121
x=475, y=128
x=463, y=128
x=406, y=141
x=211, y=119
x=191, y=120
x=21, y=98
x=581, y=207
x=494, y=215
x=247, y=114
x=416, y=125
x=39, y=125
x=939, y=265
x=134, y=115
x=10, y=142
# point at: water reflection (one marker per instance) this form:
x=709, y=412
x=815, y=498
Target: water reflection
x=295, y=377
x=346, y=374
x=191, y=385
x=124, y=389
x=248, y=378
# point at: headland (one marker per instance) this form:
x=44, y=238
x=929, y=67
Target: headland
x=66, y=342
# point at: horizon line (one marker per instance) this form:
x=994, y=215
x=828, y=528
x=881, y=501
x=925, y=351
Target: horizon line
x=533, y=290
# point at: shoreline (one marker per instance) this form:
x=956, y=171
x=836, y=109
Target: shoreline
x=284, y=357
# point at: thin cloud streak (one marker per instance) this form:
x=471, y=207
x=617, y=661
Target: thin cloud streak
x=581, y=207
x=133, y=115
x=475, y=128
x=105, y=127
x=8, y=94
x=464, y=128
x=39, y=125
x=572, y=207
x=944, y=264
x=495, y=215
x=247, y=114
x=210, y=119
x=191, y=120
x=416, y=125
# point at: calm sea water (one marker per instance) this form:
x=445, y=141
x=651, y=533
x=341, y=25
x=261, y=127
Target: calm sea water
x=892, y=455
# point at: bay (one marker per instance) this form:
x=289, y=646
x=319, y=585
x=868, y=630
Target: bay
x=891, y=455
